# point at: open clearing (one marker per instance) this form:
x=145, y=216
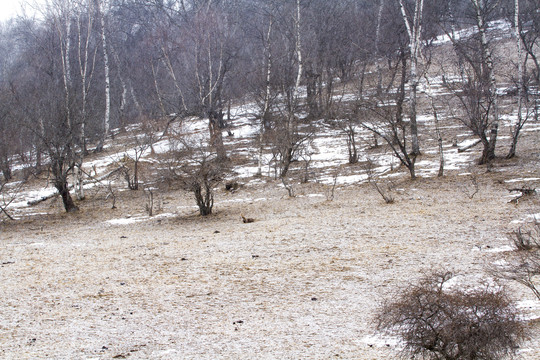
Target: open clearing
x=302, y=281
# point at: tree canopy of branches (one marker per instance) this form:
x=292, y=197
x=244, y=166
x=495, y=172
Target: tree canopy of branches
x=84, y=67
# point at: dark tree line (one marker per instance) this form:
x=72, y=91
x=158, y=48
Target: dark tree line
x=84, y=67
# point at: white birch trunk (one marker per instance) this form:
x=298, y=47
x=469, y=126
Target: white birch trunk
x=107, y=115
x=266, y=107
x=414, y=30
x=516, y=125
x=296, y=90
x=520, y=62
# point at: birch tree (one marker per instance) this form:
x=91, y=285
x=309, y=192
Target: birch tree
x=290, y=138
x=476, y=91
x=413, y=24
x=102, y=11
x=266, y=108
x=86, y=61
x=61, y=140
x=526, y=100
x=481, y=11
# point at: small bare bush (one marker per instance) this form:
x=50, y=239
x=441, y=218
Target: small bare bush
x=330, y=190
x=472, y=187
x=525, y=239
x=438, y=322
x=523, y=265
x=384, y=190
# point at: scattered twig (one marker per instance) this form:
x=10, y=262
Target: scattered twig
x=524, y=192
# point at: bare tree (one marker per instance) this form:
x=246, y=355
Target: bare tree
x=527, y=108
x=131, y=161
x=384, y=117
x=47, y=98
x=198, y=169
x=102, y=11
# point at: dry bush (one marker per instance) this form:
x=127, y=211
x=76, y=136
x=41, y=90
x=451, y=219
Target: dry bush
x=527, y=238
x=523, y=265
x=384, y=191
x=438, y=322
x=523, y=268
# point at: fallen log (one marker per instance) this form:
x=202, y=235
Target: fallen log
x=467, y=147
x=43, y=198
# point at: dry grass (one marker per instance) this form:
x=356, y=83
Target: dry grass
x=302, y=281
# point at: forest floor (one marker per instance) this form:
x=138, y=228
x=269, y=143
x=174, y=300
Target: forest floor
x=302, y=281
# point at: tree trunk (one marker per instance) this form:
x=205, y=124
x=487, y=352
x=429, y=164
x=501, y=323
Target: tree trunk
x=286, y=162
x=6, y=168
x=414, y=30
x=488, y=152
x=107, y=115
x=351, y=145
x=377, y=42
x=63, y=190
x=216, y=134
x=516, y=126
x=205, y=199
x=311, y=88
x=513, y=145
x=487, y=62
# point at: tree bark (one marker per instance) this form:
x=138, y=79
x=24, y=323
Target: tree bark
x=414, y=30
x=487, y=63
x=63, y=189
x=106, y=69
x=515, y=127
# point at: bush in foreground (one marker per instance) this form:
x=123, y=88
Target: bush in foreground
x=436, y=321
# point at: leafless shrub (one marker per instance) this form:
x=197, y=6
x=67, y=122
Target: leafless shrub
x=436, y=321
x=200, y=170
x=307, y=157
x=527, y=239
x=384, y=191
x=524, y=268
x=472, y=187
x=196, y=167
x=201, y=178
x=330, y=189
x=523, y=265
x=153, y=201
x=111, y=194
x=132, y=159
